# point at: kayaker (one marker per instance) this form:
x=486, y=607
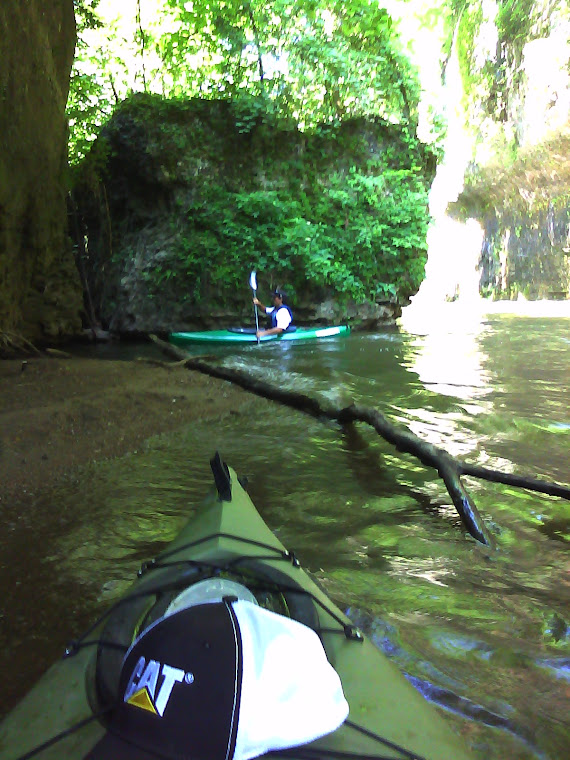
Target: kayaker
x=281, y=315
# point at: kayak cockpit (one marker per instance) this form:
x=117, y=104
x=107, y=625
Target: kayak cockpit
x=270, y=588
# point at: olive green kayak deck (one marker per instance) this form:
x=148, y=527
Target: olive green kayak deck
x=231, y=530
x=246, y=335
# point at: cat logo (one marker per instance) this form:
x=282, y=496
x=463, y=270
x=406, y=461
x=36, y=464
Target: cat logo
x=142, y=688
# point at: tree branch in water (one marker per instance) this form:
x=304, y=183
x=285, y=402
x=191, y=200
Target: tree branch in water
x=448, y=468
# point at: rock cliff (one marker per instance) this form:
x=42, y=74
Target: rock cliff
x=515, y=60
x=40, y=293
x=181, y=199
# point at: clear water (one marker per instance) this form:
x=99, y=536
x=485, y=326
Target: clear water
x=485, y=635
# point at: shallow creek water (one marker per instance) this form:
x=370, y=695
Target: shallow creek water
x=484, y=634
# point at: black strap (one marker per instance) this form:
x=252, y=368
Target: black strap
x=221, y=477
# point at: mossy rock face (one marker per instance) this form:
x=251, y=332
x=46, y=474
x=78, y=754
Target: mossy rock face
x=181, y=199
x=40, y=293
x=527, y=255
x=516, y=83
x=524, y=209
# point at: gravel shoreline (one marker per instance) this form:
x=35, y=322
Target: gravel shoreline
x=57, y=415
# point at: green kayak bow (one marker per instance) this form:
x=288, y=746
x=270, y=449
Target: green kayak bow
x=108, y=698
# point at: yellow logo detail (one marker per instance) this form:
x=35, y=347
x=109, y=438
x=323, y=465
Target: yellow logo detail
x=143, y=689
x=141, y=699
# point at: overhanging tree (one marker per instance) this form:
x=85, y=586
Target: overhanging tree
x=308, y=60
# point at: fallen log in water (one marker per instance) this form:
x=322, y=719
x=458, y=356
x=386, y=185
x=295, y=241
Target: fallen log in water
x=448, y=467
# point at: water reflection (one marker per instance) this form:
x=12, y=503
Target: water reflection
x=484, y=635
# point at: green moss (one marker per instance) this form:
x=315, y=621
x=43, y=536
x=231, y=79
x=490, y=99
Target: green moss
x=342, y=208
x=517, y=23
x=469, y=25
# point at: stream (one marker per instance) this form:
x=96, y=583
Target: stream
x=483, y=634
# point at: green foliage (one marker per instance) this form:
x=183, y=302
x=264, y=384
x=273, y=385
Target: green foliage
x=313, y=61
x=86, y=105
x=90, y=98
x=515, y=21
x=490, y=87
x=358, y=229
x=251, y=110
x=468, y=26
x=340, y=217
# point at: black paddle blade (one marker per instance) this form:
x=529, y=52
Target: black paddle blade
x=221, y=477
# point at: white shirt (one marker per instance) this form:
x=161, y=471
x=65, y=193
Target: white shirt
x=283, y=316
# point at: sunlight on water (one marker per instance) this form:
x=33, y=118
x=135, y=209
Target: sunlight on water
x=484, y=635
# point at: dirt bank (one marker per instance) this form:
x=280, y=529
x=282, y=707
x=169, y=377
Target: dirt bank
x=56, y=417
x=59, y=414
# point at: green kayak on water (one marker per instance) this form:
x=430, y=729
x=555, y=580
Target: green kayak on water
x=247, y=335
x=225, y=648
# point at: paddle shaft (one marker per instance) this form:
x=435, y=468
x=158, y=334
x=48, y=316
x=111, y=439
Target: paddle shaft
x=256, y=317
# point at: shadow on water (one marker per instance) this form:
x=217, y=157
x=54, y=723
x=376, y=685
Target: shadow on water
x=377, y=478
x=557, y=529
x=484, y=636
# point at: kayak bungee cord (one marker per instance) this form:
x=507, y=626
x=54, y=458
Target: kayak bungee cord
x=155, y=564
x=65, y=734
x=371, y=735
x=284, y=554
x=294, y=754
x=300, y=753
x=351, y=632
x=214, y=569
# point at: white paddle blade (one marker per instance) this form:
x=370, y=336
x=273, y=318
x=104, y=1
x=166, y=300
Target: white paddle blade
x=253, y=280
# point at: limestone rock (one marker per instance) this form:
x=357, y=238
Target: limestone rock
x=180, y=203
